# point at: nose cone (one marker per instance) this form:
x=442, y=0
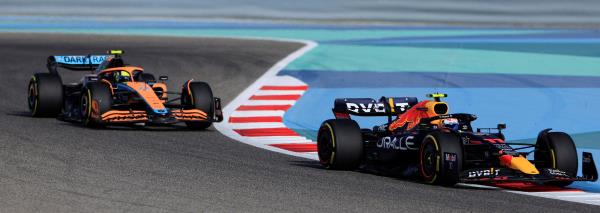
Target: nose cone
x=519, y=163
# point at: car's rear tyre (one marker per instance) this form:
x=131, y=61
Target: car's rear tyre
x=440, y=158
x=556, y=150
x=339, y=144
x=45, y=95
x=96, y=99
x=198, y=95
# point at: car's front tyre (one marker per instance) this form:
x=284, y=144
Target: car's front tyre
x=96, y=99
x=199, y=95
x=556, y=150
x=440, y=158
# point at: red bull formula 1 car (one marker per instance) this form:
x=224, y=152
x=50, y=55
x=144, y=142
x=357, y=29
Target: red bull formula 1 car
x=116, y=93
x=442, y=148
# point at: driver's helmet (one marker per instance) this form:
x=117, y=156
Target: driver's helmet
x=449, y=123
x=122, y=76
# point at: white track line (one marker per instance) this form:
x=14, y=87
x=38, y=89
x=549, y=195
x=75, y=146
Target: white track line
x=270, y=78
x=268, y=102
x=255, y=124
x=266, y=141
x=279, y=92
x=289, y=80
x=257, y=113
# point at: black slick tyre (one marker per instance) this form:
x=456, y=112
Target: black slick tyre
x=45, y=95
x=339, y=144
x=556, y=150
x=440, y=158
x=96, y=99
x=198, y=95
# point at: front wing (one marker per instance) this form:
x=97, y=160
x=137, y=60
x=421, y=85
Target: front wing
x=176, y=114
x=491, y=175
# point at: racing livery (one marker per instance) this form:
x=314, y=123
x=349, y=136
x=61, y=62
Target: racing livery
x=117, y=94
x=443, y=148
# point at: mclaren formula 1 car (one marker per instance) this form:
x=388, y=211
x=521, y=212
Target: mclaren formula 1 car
x=117, y=93
x=442, y=148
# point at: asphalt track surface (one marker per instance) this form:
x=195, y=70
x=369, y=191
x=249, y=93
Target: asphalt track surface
x=51, y=166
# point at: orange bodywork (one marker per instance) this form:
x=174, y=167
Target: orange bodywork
x=189, y=115
x=125, y=116
x=146, y=92
x=132, y=116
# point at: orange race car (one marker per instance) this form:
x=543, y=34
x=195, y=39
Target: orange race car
x=116, y=93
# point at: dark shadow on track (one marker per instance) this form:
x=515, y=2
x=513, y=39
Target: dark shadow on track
x=307, y=164
x=19, y=114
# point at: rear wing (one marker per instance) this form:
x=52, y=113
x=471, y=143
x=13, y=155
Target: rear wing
x=344, y=107
x=75, y=62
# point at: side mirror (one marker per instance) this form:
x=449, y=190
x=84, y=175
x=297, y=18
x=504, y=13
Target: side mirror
x=501, y=126
x=163, y=78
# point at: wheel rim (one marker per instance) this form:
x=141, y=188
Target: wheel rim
x=324, y=145
x=32, y=97
x=428, y=159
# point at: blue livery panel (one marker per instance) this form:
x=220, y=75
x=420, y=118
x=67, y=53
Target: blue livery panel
x=80, y=59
